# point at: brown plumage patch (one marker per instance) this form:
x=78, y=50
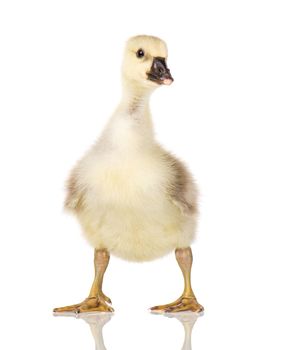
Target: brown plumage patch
x=181, y=188
x=75, y=193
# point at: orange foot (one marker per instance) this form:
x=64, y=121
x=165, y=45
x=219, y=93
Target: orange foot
x=181, y=304
x=98, y=303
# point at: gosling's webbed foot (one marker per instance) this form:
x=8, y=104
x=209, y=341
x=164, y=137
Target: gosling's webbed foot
x=93, y=304
x=181, y=304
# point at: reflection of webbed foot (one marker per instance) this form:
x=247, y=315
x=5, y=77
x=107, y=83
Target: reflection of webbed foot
x=96, y=321
x=94, y=304
x=187, y=319
x=184, y=317
x=181, y=304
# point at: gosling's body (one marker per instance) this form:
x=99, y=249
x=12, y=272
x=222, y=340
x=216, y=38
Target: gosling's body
x=132, y=198
x=123, y=190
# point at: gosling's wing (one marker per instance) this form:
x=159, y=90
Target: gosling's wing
x=181, y=188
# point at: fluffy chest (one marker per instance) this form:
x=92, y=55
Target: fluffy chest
x=128, y=210
x=126, y=179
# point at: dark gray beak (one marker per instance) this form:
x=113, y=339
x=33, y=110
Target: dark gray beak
x=159, y=72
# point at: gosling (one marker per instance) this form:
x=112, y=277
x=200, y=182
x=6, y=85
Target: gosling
x=132, y=198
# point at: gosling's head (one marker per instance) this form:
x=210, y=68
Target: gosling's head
x=144, y=63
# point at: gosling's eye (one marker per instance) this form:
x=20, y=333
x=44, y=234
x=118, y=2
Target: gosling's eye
x=140, y=53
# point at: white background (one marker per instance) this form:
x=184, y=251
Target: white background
x=60, y=81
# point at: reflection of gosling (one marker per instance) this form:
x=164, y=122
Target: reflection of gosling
x=132, y=198
x=96, y=323
x=98, y=320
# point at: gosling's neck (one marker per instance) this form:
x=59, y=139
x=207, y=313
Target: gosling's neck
x=135, y=101
x=130, y=127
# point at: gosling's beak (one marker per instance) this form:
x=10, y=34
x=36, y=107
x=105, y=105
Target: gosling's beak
x=159, y=72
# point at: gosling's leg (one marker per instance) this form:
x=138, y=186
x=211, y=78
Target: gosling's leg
x=187, y=301
x=97, y=301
